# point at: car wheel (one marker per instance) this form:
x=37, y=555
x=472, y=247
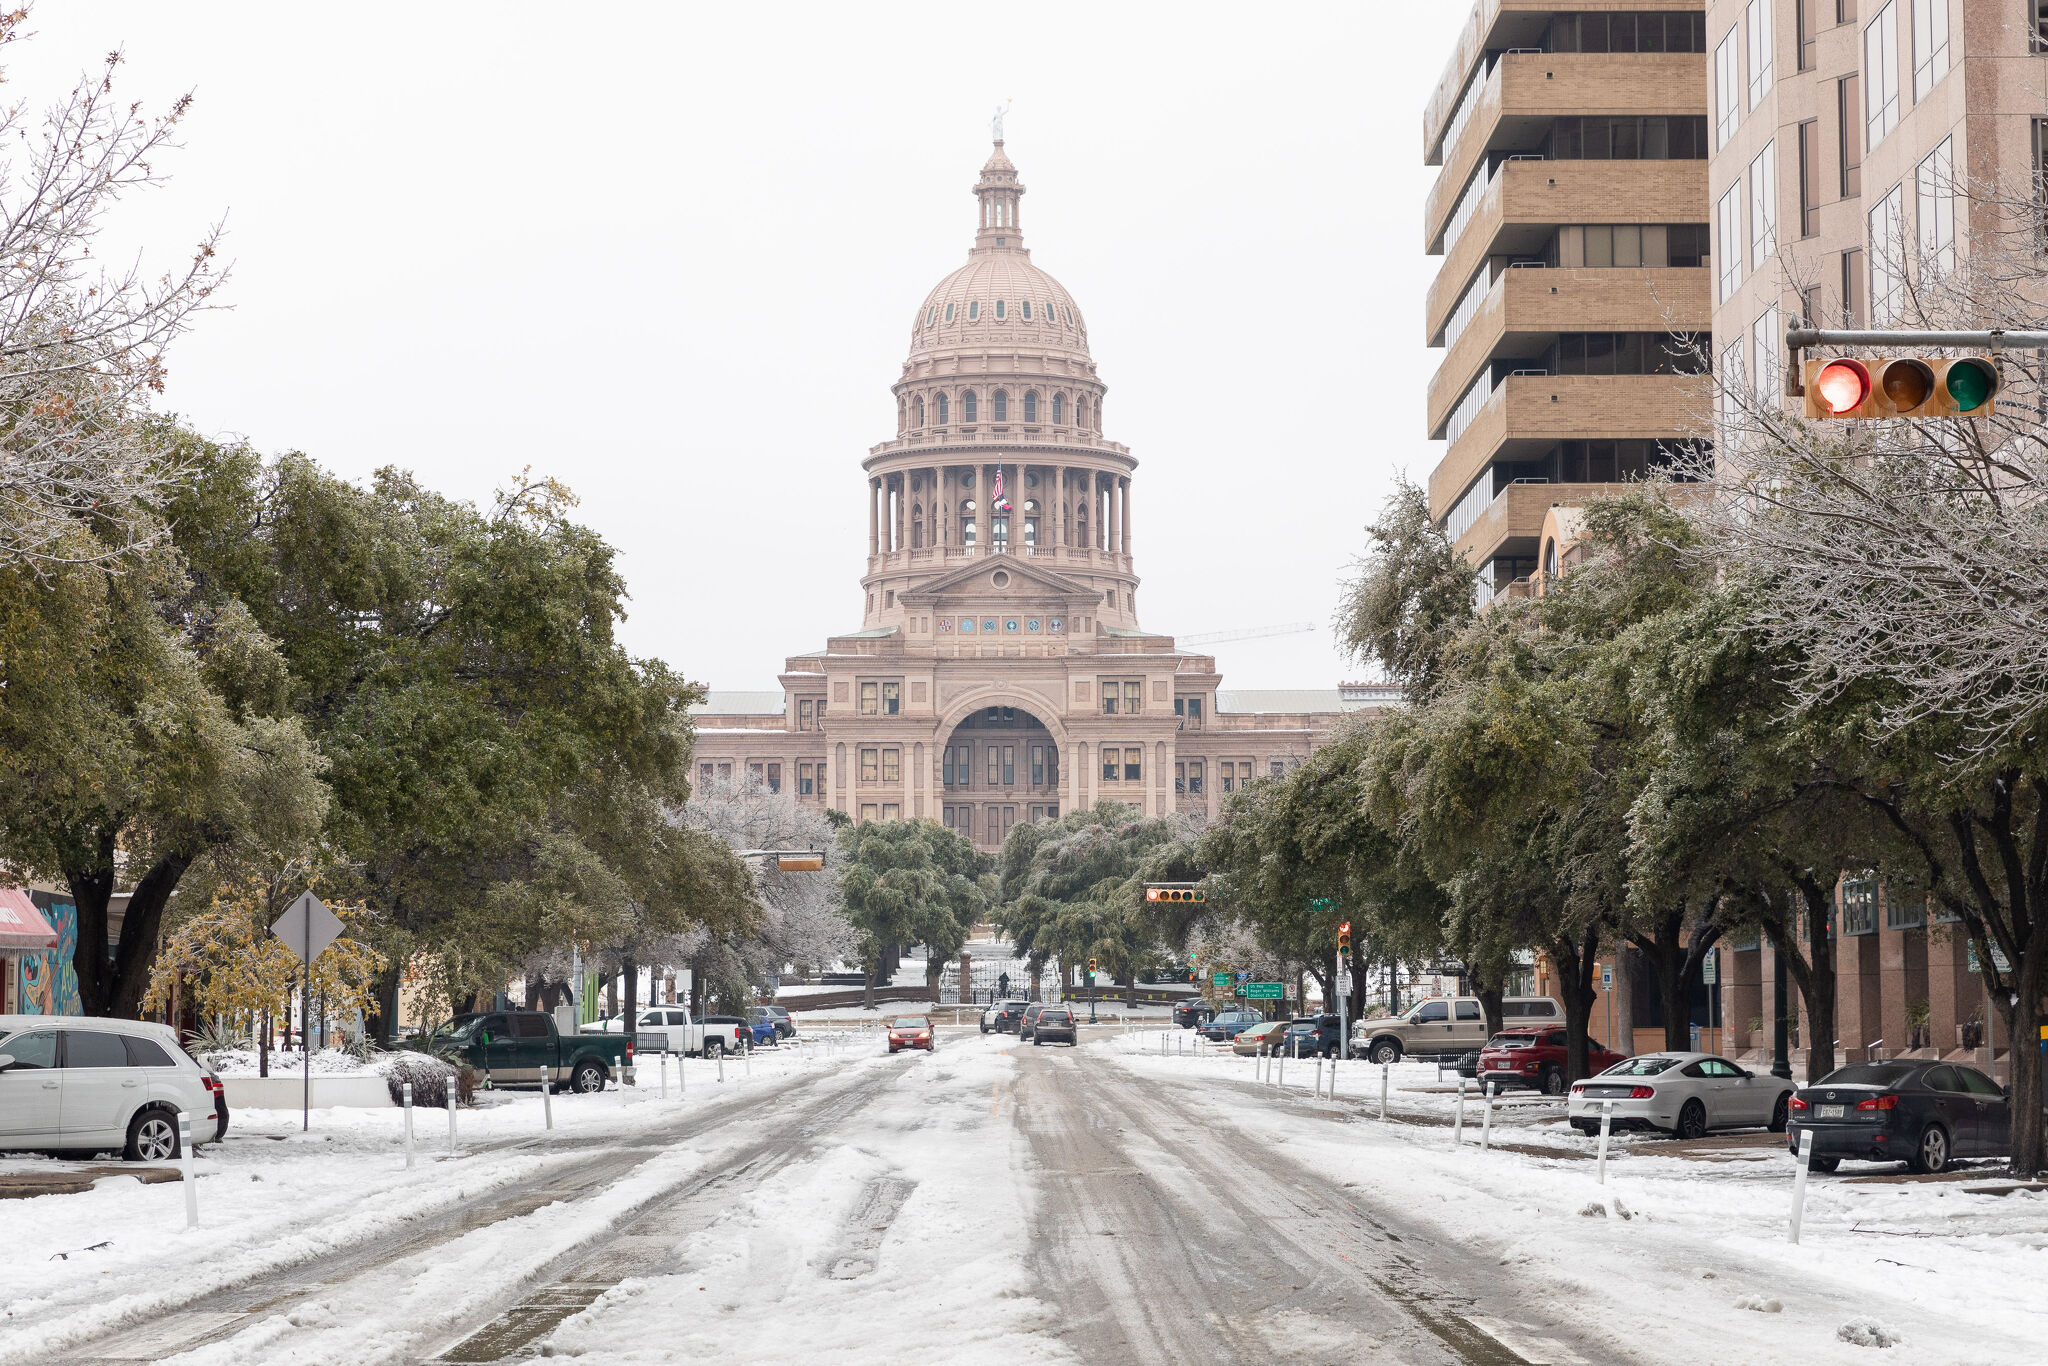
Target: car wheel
x=1822, y=1164
x=1692, y=1121
x=1553, y=1081
x=1586, y=1127
x=1780, y=1113
x=714, y=1048
x=1932, y=1154
x=1036, y=1042
x=1386, y=1051
x=152, y=1137
x=587, y=1079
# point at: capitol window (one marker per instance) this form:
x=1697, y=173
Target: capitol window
x=949, y=312
x=932, y=316
x=945, y=405
x=974, y=310
x=1027, y=310
x=999, y=403
x=1059, y=408
x=969, y=406
x=1031, y=406
x=920, y=411
x=999, y=308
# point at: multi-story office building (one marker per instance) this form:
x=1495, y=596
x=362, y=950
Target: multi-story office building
x=1571, y=216
x=1845, y=135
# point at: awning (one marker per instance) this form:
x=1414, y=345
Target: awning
x=21, y=925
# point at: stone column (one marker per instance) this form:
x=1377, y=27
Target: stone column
x=1059, y=505
x=1126, y=500
x=902, y=519
x=874, y=519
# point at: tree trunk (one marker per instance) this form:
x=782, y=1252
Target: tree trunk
x=1576, y=960
x=92, y=885
x=1814, y=975
x=1489, y=1003
x=628, y=1025
x=2023, y=1021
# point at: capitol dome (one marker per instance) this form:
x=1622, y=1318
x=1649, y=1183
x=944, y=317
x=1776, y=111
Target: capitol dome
x=999, y=301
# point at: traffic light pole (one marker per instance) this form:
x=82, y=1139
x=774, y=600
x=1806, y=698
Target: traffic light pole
x=1798, y=337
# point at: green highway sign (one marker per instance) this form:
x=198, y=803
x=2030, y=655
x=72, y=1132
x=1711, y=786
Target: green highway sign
x=1263, y=991
x=1220, y=979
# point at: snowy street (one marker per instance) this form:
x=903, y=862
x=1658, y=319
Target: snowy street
x=1105, y=1203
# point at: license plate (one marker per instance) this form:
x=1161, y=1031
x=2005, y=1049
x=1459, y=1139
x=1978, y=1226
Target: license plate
x=1830, y=1112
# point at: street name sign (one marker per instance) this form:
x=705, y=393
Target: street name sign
x=1263, y=991
x=1219, y=979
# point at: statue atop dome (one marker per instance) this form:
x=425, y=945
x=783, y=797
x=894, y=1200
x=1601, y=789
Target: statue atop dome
x=996, y=124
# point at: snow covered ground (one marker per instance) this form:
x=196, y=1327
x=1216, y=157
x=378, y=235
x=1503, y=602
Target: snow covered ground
x=1670, y=1250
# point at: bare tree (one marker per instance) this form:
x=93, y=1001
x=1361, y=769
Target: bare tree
x=81, y=345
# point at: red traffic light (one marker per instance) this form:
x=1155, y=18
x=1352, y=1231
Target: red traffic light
x=1344, y=928
x=1843, y=385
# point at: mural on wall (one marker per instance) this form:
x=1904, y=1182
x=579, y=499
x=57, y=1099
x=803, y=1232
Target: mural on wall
x=49, y=983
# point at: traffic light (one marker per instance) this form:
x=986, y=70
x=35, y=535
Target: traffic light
x=1091, y=967
x=1344, y=937
x=1165, y=891
x=1903, y=386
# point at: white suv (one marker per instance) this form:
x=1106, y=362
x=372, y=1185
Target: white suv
x=90, y=1084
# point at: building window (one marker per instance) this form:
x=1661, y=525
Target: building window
x=1195, y=774
x=1059, y=409
x=1849, y=116
x=870, y=765
x=892, y=698
x=1112, y=769
x=803, y=714
x=973, y=312
x=1760, y=45
x=1859, y=906
x=1276, y=767
x=1930, y=46
x=995, y=765
x=2041, y=175
x=1134, y=694
x=1809, y=30
x=1189, y=710
x=755, y=771
x=1110, y=693
x=1855, y=303
x=949, y=312
x=806, y=780
x=1766, y=336
x=946, y=767
x=1031, y=405
x=703, y=773
x=1727, y=87
x=891, y=811
x=1180, y=778
x=1809, y=178
x=999, y=406
x=1887, y=250
x=1618, y=353
x=946, y=816
x=945, y=403
x=868, y=812
x=999, y=309
x=1009, y=765
x=1038, y=765
x=1613, y=137
x=970, y=404
x=1936, y=210
x=2038, y=24
x=892, y=765
x=775, y=777
x=1763, y=206
x=1625, y=33
x=1728, y=249
x=1904, y=911
x=725, y=771
x=870, y=703
x=1134, y=765
x=1880, y=76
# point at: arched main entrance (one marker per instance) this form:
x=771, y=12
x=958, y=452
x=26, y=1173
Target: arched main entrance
x=1000, y=766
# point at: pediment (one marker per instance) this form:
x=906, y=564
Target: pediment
x=999, y=577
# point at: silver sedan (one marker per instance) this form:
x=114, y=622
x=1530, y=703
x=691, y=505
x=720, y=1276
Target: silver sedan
x=1682, y=1094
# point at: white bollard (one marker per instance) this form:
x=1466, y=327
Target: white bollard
x=1606, y=1125
x=547, y=1098
x=1282, y=1081
x=1384, y=1070
x=1486, y=1126
x=721, y=1067
x=1805, y=1161
x=185, y=1165
x=406, y=1090
x=1458, y=1126
x=1319, y=1078
x=662, y=1063
x=747, y=1063
x=448, y=1089
x=1333, y=1079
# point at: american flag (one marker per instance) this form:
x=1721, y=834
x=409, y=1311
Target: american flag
x=1001, y=504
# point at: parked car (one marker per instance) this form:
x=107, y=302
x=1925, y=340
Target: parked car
x=1055, y=1024
x=1010, y=1016
x=912, y=1031
x=94, y=1085
x=518, y=1046
x=1683, y=1094
x=669, y=1029
x=1029, y=1020
x=1260, y=1038
x=766, y=1026
x=1536, y=1058
x=1229, y=1024
x=1925, y=1114
x=784, y=1026
x=1310, y=1035
x=1193, y=1011
x=752, y=1033
x=1444, y=1026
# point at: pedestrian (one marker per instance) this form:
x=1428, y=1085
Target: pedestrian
x=1003, y=987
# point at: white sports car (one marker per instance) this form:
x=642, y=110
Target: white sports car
x=1683, y=1094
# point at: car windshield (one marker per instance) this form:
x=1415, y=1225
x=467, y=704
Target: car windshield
x=910, y=1022
x=1513, y=1041
x=1649, y=1065
x=1869, y=1074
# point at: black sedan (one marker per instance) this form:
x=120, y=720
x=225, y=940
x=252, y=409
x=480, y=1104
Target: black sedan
x=1008, y=1017
x=1925, y=1114
x=1194, y=1011
x=1055, y=1024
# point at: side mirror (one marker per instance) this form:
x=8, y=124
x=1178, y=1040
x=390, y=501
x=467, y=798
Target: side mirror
x=6, y=1061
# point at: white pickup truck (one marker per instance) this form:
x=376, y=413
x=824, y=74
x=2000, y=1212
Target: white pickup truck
x=669, y=1029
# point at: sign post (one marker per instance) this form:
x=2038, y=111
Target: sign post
x=1710, y=973
x=306, y=928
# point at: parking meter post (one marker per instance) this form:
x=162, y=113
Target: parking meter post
x=406, y=1091
x=185, y=1168
x=1805, y=1160
x=448, y=1092
x=1606, y=1126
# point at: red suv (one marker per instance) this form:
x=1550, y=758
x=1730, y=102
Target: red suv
x=1535, y=1058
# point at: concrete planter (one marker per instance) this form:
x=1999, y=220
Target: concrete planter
x=362, y=1090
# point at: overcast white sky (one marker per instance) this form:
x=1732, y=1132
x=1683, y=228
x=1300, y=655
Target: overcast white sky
x=671, y=253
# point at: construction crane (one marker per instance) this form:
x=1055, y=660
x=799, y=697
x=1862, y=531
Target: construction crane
x=1292, y=628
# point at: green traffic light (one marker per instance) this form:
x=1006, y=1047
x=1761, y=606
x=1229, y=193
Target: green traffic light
x=1971, y=383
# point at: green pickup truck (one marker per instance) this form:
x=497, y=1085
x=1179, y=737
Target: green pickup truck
x=522, y=1047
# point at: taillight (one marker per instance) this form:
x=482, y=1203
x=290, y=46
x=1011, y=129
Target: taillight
x=1879, y=1103
x=1796, y=1103
x=1578, y=1088
x=1641, y=1092
x=629, y=1050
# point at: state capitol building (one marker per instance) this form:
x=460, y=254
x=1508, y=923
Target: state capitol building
x=1000, y=674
